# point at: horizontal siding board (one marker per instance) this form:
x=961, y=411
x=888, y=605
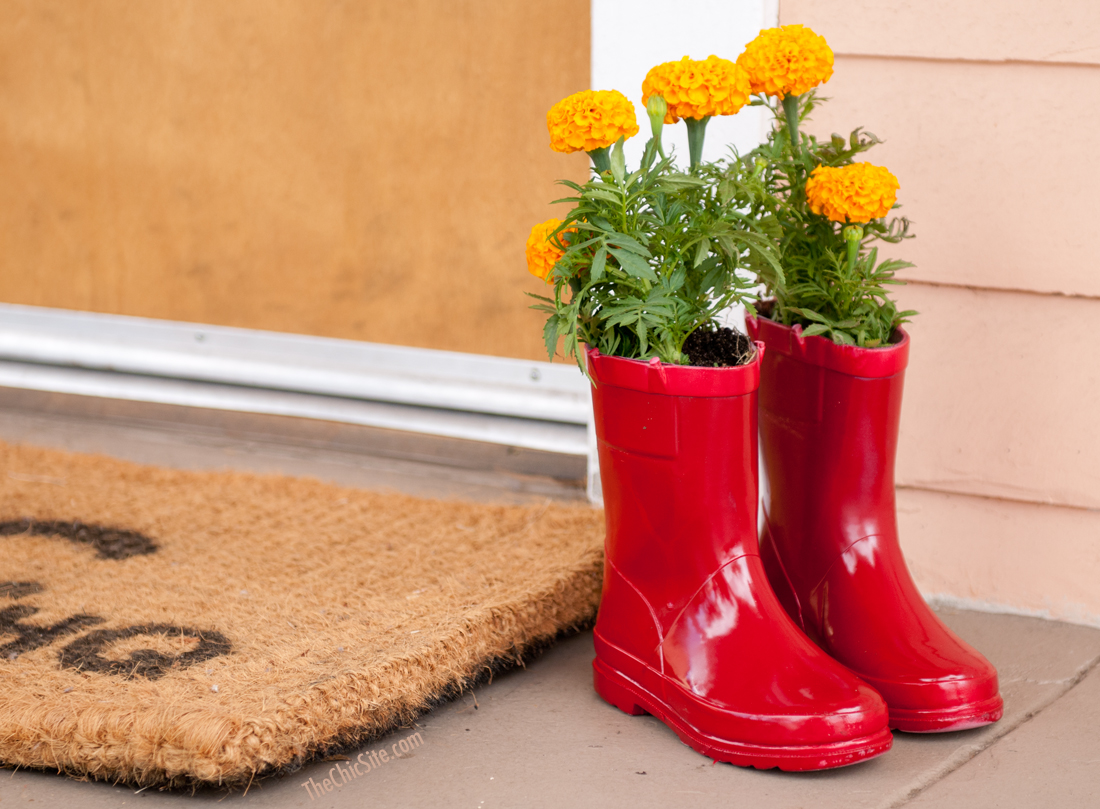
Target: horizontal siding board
x=994, y=165
x=1055, y=31
x=1000, y=395
x=997, y=554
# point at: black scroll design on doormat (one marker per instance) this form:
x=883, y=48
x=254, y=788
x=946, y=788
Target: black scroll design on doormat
x=86, y=653
x=15, y=590
x=109, y=542
x=29, y=637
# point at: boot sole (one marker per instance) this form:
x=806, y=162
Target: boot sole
x=631, y=698
x=962, y=717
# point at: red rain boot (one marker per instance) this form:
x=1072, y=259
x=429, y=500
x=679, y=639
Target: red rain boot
x=829, y=425
x=688, y=628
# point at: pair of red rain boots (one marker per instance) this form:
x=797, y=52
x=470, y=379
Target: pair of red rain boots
x=690, y=629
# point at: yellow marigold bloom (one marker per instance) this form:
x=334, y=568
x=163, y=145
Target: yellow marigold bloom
x=698, y=89
x=590, y=119
x=543, y=254
x=790, y=60
x=856, y=193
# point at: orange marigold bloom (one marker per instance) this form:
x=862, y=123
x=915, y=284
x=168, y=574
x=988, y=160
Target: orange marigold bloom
x=790, y=60
x=543, y=254
x=590, y=119
x=856, y=193
x=698, y=89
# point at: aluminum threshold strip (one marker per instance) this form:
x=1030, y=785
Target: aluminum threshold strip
x=274, y=361
x=549, y=436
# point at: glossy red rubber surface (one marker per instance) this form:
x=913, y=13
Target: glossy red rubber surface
x=689, y=629
x=829, y=420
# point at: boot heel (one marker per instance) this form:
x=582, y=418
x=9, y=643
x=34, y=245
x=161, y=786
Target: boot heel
x=613, y=692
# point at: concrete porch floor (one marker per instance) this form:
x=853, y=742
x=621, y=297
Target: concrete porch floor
x=540, y=736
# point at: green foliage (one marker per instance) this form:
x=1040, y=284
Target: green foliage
x=824, y=292
x=657, y=254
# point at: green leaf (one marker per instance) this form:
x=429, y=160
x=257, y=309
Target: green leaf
x=633, y=265
x=810, y=314
x=581, y=245
x=607, y=196
x=598, y=262
x=677, y=182
x=702, y=251
x=628, y=243
x=550, y=336
x=727, y=189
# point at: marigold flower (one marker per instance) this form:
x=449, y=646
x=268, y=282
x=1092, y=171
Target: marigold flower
x=790, y=60
x=698, y=89
x=543, y=254
x=856, y=193
x=589, y=120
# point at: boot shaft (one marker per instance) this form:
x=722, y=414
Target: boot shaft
x=829, y=418
x=678, y=462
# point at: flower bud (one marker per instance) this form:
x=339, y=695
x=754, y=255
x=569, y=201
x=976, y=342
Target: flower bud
x=853, y=233
x=656, y=108
x=618, y=161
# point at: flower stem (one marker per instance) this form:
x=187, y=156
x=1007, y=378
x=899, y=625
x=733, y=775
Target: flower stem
x=697, y=130
x=790, y=110
x=601, y=160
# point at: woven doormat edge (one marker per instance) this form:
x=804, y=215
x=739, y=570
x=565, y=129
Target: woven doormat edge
x=565, y=608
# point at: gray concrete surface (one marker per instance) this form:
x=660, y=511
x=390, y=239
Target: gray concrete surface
x=1051, y=761
x=541, y=737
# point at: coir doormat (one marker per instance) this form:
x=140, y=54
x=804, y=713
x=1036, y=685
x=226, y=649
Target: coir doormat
x=168, y=627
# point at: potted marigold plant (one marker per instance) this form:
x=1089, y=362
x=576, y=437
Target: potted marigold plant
x=830, y=405
x=647, y=259
x=641, y=267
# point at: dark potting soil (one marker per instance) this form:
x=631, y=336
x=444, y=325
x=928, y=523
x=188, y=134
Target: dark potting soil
x=720, y=348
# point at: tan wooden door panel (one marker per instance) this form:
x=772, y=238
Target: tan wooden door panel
x=365, y=170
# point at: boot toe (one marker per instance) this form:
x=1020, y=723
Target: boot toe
x=882, y=629
x=937, y=705
x=738, y=682
x=799, y=722
x=738, y=668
